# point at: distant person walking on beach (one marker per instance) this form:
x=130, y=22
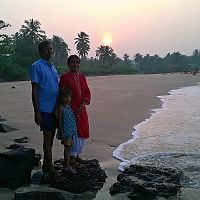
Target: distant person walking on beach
x=67, y=128
x=45, y=89
x=81, y=95
x=195, y=71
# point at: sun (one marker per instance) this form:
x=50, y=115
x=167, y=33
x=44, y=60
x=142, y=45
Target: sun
x=107, y=39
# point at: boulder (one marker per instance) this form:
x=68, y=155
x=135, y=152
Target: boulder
x=2, y=119
x=16, y=167
x=37, y=177
x=15, y=146
x=89, y=178
x=37, y=192
x=147, y=182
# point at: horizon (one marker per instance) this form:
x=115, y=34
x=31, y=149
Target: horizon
x=139, y=26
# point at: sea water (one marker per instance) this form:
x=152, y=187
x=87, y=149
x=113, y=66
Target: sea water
x=170, y=137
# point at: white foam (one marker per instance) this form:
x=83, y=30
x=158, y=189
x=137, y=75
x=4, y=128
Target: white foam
x=168, y=102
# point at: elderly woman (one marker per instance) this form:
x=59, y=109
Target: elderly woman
x=81, y=95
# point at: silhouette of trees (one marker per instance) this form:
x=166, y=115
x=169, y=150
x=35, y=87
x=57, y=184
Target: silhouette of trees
x=26, y=41
x=18, y=51
x=196, y=57
x=60, y=50
x=105, y=54
x=31, y=29
x=127, y=60
x=82, y=43
x=5, y=40
x=3, y=25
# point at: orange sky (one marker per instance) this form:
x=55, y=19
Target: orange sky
x=144, y=26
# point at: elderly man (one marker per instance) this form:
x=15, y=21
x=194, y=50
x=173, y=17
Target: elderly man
x=44, y=80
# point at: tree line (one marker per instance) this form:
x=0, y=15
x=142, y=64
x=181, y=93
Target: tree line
x=19, y=50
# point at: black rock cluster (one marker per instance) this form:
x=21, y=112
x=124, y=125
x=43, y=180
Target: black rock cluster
x=89, y=177
x=147, y=182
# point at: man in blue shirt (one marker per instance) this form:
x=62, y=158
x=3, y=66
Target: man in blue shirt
x=44, y=80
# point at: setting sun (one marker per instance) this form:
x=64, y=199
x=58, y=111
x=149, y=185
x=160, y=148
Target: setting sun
x=107, y=39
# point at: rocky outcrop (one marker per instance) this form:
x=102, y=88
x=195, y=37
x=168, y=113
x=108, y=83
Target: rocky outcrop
x=16, y=167
x=2, y=119
x=147, y=182
x=35, y=192
x=89, y=178
x=15, y=146
x=19, y=146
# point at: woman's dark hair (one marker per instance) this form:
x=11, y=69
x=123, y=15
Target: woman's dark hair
x=42, y=45
x=71, y=57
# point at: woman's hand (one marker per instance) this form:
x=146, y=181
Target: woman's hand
x=80, y=108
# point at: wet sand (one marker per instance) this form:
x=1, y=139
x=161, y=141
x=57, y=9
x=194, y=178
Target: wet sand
x=118, y=103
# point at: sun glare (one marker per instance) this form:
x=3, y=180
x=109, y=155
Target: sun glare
x=106, y=39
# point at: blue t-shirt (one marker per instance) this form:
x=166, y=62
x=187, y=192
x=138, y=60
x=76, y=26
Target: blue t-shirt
x=46, y=76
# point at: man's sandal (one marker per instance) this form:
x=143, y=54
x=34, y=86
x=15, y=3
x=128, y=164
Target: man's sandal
x=50, y=176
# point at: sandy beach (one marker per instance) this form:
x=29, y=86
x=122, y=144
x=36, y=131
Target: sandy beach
x=118, y=103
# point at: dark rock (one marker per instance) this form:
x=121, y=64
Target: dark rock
x=37, y=177
x=34, y=192
x=147, y=182
x=2, y=119
x=22, y=140
x=89, y=177
x=15, y=167
x=15, y=146
x=5, y=128
x=13, y=87
x=18, y=146
x=119, y=188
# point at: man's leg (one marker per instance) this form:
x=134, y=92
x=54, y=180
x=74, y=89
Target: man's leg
x=47, y=148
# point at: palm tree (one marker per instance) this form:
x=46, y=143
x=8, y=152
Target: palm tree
x=104, y=53
x=60, y=50
x=3, y=24
x=127, y=60
x=113, y=59
x=26, y=41
x=138, y=58
x=196, y=52
x=82, y=44
x=31, y=29
x=196, y=57
x=6, y=45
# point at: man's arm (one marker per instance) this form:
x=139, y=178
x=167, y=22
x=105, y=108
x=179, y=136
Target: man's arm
x=36, y=103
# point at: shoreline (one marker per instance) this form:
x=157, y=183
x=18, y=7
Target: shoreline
x=119, y=103
x=111, y=179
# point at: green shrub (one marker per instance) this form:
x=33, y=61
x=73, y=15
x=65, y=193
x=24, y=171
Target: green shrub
x=13, y=73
